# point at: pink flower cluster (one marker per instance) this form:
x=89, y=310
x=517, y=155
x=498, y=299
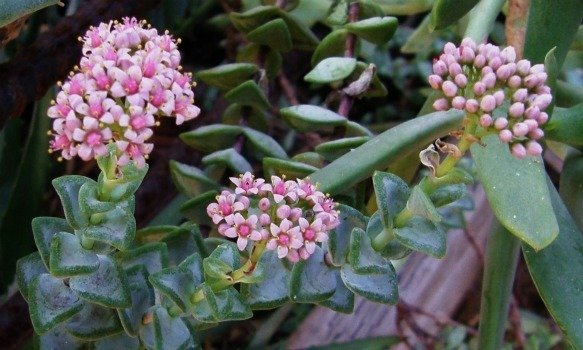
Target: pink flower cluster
x=129, y=74
x=481, y=78
x=288, y=216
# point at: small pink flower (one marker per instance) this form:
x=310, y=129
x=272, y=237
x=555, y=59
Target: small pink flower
x=286, y=239
x=225, y=206
x=325, y=209
x=247, y=184
x=311, y=233
x=281, y=189
x=92, y=139
x=242, y=228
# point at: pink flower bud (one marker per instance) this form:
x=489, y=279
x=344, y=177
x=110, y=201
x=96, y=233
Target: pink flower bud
x=534, y=148
x=503, y=72
x=536, y=134
x=520, y=129
x=542, y=101
x=488, y=103
x=461, y=80
x=508, y=54
x=543, y=117
x=542, y=77
x=485, y=120
x=455, y=69
x=449, y=88
x=523, y=67
x=532, y=112
x=543, y=89
x=472, y=105
x=435, y=81
x=505, y=135
x=520, y=95
x=458, y=102
x=479, y=61
x=500, y=123
x=537, y=68
x=283, y=212
x=467, y=54
x=531, y=123
x=296, y=213
x=449, y=59
x=264, y=204
x=495, y=63
x=516, y=109
x=531, y=81
x=489, y=80
x=439, y=68
x=450, y=48
x=223, y=227
x=486, y=70
x=468, y=43
x=518, y=151
x=245, y=201
x=479, y=88
x=441, y=104
x=499, y=96
x=264, y=220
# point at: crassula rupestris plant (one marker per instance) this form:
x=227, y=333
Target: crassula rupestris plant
x=320, y=227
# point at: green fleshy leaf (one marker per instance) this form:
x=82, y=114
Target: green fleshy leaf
x=27, y=268
x=292, y=169
x=183, y=242
x=309, y=158
x=190, y=180
x=332, y=45
x=179, y=283
x=230, y=158
x=377, y=30
x=337, y=14
x=566, y=126
x=394, y=249
x=254, y=116
x=419, y=204
x=311, y=118
x=253, y=52
x=108, y=286
x=331, y=69
x=196, y=325
x=363, y=258
x=384, y=149
x=223, y=260
x=58, y=338
x=447, y=12
x=142, y=296
x=423, y=235
x=273, y=291
x=211, y=138
x=69, y=258
x=264, y=145
x=354, y=129
x=404, y=7
x=195, y=208
x=125, y=184
x=380, y=288
x=227, y=76
x=273, y=34
x=67, y=188
x=302, y=36
x=249, y=20
x=165, y=332
x=153, y=233
x=392, y=194
x=248, y=94
x=339, y=238
x=332, y=150
x=448, y=194
x=570, y=186
x=512, y=185
x=118, y=341
x=312, y=280
x=421, y=39
x=94, y=322
x=43, y=229
x=89, y=200
x=154, y=256
x=51, y=302
x=342, y=300
x=225, y=305
x=556, y=272
x=116, y=227
x=259, y=271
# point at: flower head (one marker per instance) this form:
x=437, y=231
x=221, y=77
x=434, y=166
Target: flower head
x=128, y=76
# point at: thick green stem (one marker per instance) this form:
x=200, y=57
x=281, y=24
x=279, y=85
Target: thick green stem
x=482, y=18
x=501, y=260
x=382, y=239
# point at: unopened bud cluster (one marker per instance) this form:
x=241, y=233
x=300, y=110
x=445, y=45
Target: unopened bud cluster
x=288, y=216
x=129, y=74
x=481, y=78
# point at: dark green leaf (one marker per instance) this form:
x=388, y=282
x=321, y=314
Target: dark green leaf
x=116, y=227
x=311, y=118
x=249, y=20
x=264, y=145
x=566, y=125
x=421, y=40
x=248, y=94
x=274, y=166
x=570, y=186
x=118, y=341
x=302, y=36
x=556, y=272
x=190, y=180
x=124, y=185
x=273, y=34
x=404, y=7
x=51, y=302
x=69, y=258
x=392, y=194
x=331, y=69
x=332, y=45
x=227, y=76
x=43, y=229
x=339, y=237
x=394, y=249
x=89, y=201
x=312, y=280
x=57, y=338
x=448, y=194
x=142, y=296
x=154, y=256
x=332, y=150
x=377, y=30
x=423, y=235
x=210, y=138
x=447, y=12
x=67, y=188
x=362, y=257
x=419, y=204
x=254, y=116
x=273, y=291
x=165, y=332
x=384, y=149
x=108, y=286
x=183, y=242
x=230, y=158
x=381, y=288
x=27, y=268
x=94, y=322
x=195, y=208
x=512, y=185
x=342, y=300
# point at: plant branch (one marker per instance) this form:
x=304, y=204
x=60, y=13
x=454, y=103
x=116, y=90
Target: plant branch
x=515, y=26
x=346, y=100
x=482, y=17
